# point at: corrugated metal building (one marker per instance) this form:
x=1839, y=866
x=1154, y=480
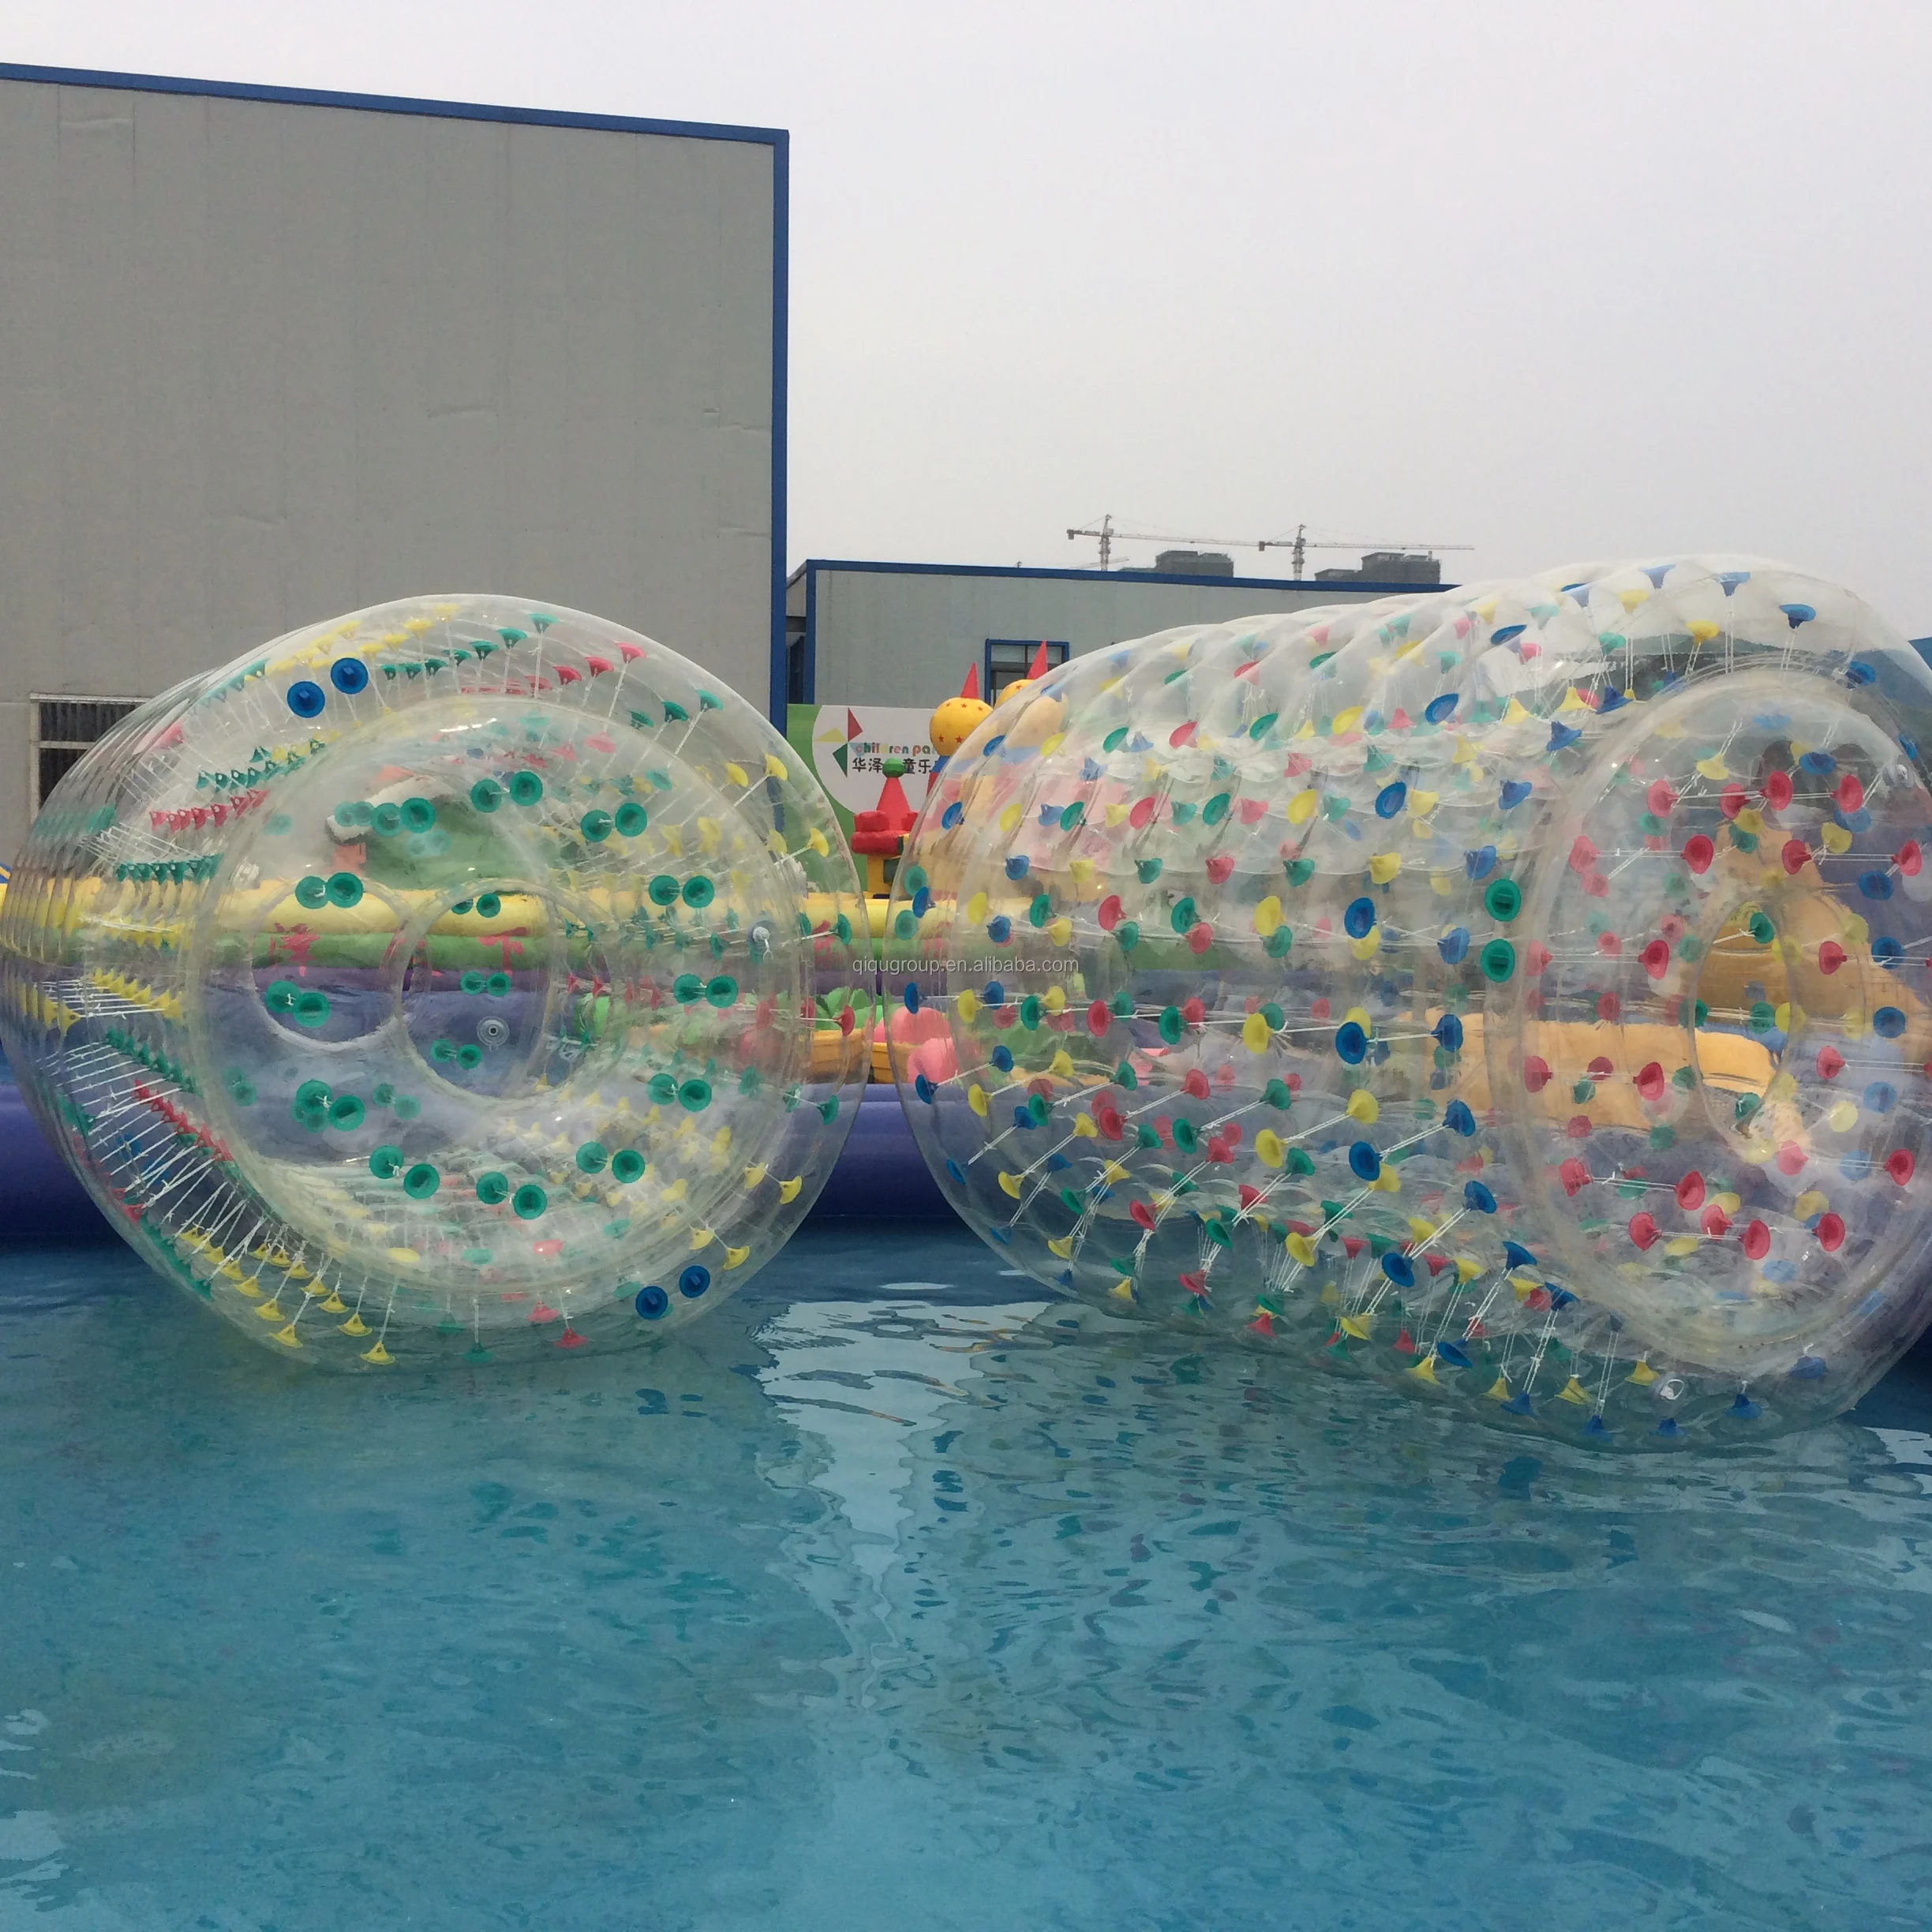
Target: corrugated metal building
x=904, y=634
x=266, y=356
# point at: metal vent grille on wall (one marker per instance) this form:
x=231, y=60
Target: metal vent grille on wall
x=64, y=728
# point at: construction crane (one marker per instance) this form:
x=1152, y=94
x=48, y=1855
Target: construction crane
x=1300, y=543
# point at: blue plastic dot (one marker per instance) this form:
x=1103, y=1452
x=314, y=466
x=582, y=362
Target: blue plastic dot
x=652, y=1302
x=994, y=994
x=1596, y=1426
x=1359, y=920
x=1001, y=1057
x=999, y=929
x=1887, y=1023
x=1887, y=951
x=921, y=902
x=923, y=1088
x=1817, y=763
x=1561, y=737
x=955, y=1171
x=1880, y=1096
x=1454, y=946
x=694, y=1281
x=911, y=996
x=1452, y=1353
x=1807, y=1368
x=1365, y=1162
x=1513, y=791
x=1478, y=1197
x=1744, y=1409
x=1458, y=1119
x=952, y=815
x=1438, y=709
x=1875, y=885
x=349, y=676
x=306, y=699
x=1016, y=865
x=1668, y=1428
x=1350, y=1043
x=1390, y=799
x=1518, y=1404
x=1518, y=1255
x=1448, y=1031
x=1399, y=1269
x=1480, y=862
x=1798, y=613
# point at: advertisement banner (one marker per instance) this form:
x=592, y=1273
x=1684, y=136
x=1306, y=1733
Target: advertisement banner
x=848, y=746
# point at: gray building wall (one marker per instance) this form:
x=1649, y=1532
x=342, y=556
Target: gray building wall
x=264, y=361
x=900, y=634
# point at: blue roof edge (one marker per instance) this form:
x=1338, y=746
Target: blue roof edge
x=1118, y=576
x=389, y=103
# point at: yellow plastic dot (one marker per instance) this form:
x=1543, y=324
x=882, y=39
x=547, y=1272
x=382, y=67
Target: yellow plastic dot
x=1383, y=866
x=1010, y=1184
x=1268, y=915
x=1361, y=1106
x=975, y=908
x=1301, y=807
x=966, y=1005
x=976, y=1099
x=1268, y=1149
x=1254, y=1032
x=1843, y=1118
x=1300, y=1249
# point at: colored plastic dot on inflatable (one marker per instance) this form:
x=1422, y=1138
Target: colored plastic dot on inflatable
x=1514, y=992
x=364, y=1029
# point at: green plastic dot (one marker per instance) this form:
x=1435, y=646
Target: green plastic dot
x=406, y=1107
x=1503, y=901
x=1040, y=911
x=699, y=890
x=526, y=788
x=1762, y=929
x=1172, y=1026
x=442, y=1051
x=469, y=1054
x=597, y=826
x=1183, y=917
x=312, y=891
x=626, y=1166
x=631, y=819
x=486, y=794
x=487, y=905
x=593, y=1157
x=345, y=889
x=313, y=1093
x=1498, y=960
x=663, y=889
x=1278, y=943
x=346, y=1113
x=472, y=981
x=312, y=1009
x=694, y=1096
x=905, y=925
x=722, y=991
x=384, y=1093
x=1147, y=870
x=422, y=1182
x=687, y=989
x=418, y=813
x=1185, y=1137
x=1127, y=935
x=384, y=1162
x=497, y=985
x=528, y=1201
x=1762, y=1015
x=1030, y=1011
x=388, y=819
x=281, y=995
x=913, y=878
x=492, y=1189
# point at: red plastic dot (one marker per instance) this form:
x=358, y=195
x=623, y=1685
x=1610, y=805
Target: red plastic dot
x=1196, y=1083
x=1582, y=854
x=1609, y=945
x=1831, y=957
x=1850, y=794
x=1900, y=1165
x=1691, y=1192
x=1698, y=852
x=1795, y=855
x=1650, y=1082
x=1757, y=1240
x=1200, y=937
x=1536, y=1072
x=1109, y=912
x=1643, y=1229
x=1219, y=865
x=1910, y=860
x=1716, y=1222
x=1574, y=1175
x=1099, y=1018
x=1193, y=1012
x=1777, y=790
x=1831, y=1233
x=1656, y=957
x=1731, y=799
x=1661, y=799
x=1608, y=1006
x=1791, y=1158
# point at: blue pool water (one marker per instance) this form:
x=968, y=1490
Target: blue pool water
x=888, y=1601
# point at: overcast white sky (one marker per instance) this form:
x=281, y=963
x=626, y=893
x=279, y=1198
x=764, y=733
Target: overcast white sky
x=1558, y=280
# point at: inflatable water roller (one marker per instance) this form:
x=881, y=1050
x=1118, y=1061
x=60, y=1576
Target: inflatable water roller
x=455, y=979
x=1518, y=992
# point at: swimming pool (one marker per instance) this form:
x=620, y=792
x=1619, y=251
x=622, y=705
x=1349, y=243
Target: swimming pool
x=894, y=1597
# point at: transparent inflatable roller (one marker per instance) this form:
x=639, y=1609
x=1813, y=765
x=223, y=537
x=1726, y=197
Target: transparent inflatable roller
x=1517, y=992
x=456, y=979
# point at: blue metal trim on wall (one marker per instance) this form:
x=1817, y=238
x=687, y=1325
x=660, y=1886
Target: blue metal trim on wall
x=811, y=635
x=776, y=139
x=1119, y=576
x=781, y=272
